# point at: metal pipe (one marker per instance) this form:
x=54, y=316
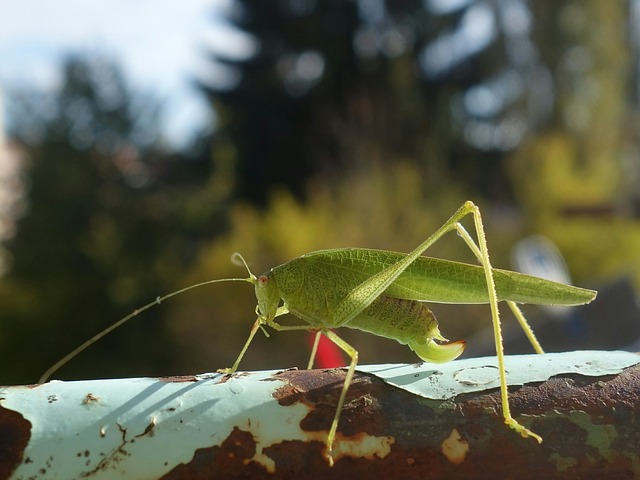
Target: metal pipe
x=399, y=421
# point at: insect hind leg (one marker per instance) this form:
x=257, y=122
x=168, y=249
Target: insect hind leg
x=481, y=252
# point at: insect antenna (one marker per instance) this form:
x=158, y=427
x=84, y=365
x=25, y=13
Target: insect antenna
x=238, y=259
x=64, y=360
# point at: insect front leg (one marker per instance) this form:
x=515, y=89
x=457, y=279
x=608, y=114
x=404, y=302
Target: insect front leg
x=258, y=324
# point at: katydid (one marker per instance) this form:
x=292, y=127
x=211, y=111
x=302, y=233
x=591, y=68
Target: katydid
x=381, y=292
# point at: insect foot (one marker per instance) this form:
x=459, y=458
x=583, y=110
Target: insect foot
x=522, y=430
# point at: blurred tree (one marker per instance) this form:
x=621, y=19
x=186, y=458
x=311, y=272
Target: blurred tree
x=451, y=86
x=591, y=67
x=100, y=232
x=267, y=119
x=578, y=178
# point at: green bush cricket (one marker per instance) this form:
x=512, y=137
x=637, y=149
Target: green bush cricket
x=382, y=292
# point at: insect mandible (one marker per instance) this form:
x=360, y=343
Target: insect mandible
x=382, y=292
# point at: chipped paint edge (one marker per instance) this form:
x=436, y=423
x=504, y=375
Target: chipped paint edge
x=445, y=381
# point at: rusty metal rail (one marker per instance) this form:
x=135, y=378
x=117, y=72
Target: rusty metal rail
x=273, y=424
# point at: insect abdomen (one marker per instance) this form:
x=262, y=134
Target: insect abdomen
x=409, y=322
x=406, y=321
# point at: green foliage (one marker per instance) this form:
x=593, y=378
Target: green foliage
x=570, y=180
x=575, y=204
x=551, y=172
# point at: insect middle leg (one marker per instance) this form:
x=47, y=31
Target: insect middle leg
x=353, y=354
x=314, y=349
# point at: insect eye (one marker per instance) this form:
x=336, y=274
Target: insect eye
x=263, y=280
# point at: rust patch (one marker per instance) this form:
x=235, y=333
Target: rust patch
x=565, y=393
x=149, y=430
x=178, y=379
x=15, y=433
x=232, y=459
x=114, y=457
x=90, y=398
x=320, y=391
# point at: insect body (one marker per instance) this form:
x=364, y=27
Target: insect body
x=382, y=292
x=312, y=286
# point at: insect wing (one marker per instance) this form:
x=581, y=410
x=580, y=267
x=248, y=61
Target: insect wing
x=444, y=281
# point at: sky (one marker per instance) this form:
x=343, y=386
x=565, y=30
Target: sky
x=160, y=44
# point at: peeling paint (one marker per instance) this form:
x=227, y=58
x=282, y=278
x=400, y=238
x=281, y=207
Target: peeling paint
x=455, y=448
x=179, y=378
x=357, y=446
x=598, y=439
x=356, y=436
x=150, y=428
x=484, y=375
x=600, y=436
x=140, y=412
x=136, y=414
x=447, y=380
